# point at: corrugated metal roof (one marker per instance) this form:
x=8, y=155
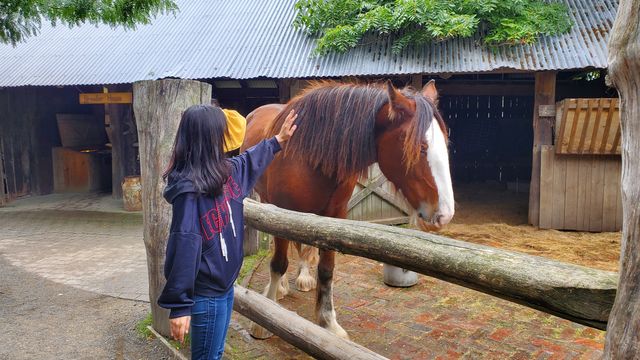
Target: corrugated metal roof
x=251, y=39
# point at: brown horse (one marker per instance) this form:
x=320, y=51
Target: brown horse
x=342, y=130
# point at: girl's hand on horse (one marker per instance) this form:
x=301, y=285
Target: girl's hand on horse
x=180, y=327
x=288, y=128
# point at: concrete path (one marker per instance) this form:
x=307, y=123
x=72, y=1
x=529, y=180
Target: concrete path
x=85, y=241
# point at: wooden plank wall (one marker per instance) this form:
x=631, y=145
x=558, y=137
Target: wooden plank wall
x=580, y=192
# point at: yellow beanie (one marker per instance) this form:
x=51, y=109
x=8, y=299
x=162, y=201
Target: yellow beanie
x=236, y=127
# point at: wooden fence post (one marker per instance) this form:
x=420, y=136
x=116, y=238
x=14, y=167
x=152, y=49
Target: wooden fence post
x=251, y=243
x=623, y=331
x=3, y=195
x=158, y=107
x=545, y=94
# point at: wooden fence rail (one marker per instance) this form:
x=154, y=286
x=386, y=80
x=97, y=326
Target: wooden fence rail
x=302, y=333
x=577, y=293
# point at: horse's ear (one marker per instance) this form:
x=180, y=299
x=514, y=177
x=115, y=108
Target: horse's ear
x=398, y=103
x=430, y=92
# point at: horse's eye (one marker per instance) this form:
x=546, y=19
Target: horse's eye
x=423, y=150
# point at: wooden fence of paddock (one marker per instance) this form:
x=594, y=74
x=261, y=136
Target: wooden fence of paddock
x=577, y=293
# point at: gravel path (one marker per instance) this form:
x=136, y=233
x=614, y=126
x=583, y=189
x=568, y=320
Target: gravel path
x=42, y=319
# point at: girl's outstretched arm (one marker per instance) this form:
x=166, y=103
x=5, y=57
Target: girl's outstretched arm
x=249, y=166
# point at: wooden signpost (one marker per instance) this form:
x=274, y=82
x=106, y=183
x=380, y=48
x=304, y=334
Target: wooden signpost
x=106, y=98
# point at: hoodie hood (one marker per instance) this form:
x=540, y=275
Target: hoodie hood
x=176, y=186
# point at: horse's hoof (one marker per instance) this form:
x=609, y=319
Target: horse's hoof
x=259, y=332
x=338, y=331
x=283, y=287
x=305, y=282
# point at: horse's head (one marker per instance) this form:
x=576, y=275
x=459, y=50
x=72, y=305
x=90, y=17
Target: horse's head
x=411, y=141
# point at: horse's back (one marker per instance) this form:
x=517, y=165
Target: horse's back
x=259, y=122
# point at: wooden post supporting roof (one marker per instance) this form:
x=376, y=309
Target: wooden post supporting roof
x=416, y=81
x=284, y=90
x=3, y=194
x=545, y=94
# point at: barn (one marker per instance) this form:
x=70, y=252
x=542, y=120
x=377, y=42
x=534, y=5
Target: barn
x=534, y=119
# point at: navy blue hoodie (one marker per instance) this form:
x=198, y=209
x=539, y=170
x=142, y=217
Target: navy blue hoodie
x=204, y=250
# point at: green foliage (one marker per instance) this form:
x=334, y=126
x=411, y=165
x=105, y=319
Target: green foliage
x=341, y=25
x=250, y=262
x=141, y=327
x=587, y=76
x=20, y=19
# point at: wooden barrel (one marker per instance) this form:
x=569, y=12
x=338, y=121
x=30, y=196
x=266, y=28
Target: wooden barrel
x=132, y=193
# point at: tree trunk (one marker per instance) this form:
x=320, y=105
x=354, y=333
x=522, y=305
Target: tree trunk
x=296, y=330
x=623, y=332
x=574, y=292
x=158, y=107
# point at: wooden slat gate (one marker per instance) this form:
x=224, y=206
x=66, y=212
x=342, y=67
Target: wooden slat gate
x=374, y=199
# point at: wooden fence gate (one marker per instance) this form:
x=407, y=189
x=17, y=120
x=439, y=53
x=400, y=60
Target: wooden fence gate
x=375, y=199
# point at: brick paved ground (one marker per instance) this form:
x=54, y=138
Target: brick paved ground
x=432, y=320
x=83, y=243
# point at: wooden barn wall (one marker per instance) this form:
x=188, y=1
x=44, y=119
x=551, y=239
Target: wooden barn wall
x=28, y=132
x=580, y=192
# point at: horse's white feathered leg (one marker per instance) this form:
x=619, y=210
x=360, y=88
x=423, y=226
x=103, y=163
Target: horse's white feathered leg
x=307, y=257
x=270, y=291
x=283, y=287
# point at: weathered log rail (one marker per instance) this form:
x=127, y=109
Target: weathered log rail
x=577, y=293
x=299, y=332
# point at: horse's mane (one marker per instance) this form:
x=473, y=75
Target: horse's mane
x=336, y=123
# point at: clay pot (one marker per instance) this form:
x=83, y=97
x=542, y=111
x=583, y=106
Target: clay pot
x=132, y=193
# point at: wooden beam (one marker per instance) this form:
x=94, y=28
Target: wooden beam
x=284, y=90
x=416, y=81
x=574, y=292
x=545, y=94
x=459, y=88
x=297, y=331
x=3, y=194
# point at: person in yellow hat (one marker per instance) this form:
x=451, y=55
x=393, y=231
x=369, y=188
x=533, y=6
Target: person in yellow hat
x=236, y=128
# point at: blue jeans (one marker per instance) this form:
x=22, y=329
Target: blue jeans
x=210, y=318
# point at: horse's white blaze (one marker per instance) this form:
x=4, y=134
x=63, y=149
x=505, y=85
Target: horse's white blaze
x=438, y=158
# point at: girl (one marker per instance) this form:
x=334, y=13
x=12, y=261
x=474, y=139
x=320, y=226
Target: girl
x=204, y=250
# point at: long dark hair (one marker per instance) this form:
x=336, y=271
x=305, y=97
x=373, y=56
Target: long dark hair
x=198, y=151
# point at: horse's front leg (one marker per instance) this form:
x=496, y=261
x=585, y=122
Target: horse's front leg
x=307, y=257
x=278, y=284
x=325, y=311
